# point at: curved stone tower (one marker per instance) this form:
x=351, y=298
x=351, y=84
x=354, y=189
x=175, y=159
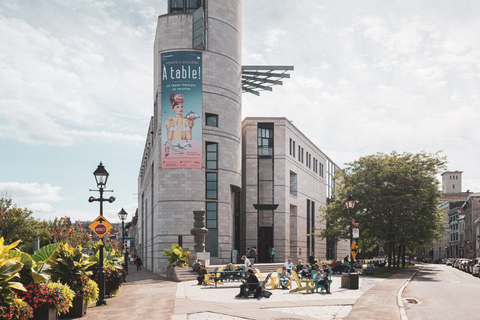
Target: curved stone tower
x=197, y=65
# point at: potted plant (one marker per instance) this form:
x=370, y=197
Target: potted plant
x=114, y=272
x=17, y=310
x=43, y=299
x=69, y=266
x=10, y=306
x=178, y=256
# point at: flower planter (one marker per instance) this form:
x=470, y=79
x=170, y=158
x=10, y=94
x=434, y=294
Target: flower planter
x=78, y=309
x=45, y=312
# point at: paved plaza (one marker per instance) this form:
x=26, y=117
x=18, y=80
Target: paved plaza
x=146, y=295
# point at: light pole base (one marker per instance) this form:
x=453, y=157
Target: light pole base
x=101, y=303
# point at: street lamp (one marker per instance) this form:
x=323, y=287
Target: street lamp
x=101, y=177
x=350, y=204
x=123, y=215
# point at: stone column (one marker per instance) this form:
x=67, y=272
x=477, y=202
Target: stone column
x=199, y=232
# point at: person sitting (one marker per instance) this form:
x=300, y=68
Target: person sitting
x=307, y=271
x=251, y=283
x=201, y=274
x=299, y=267
x=333, y=265
x=228, y=267
x=288, y=265
x=339, y=267
x=320, y=278
x=284, y=278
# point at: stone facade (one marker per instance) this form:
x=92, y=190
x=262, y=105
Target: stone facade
x=298, y=182
x=168, y=197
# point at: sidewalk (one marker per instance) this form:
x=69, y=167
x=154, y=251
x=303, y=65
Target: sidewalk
x=146, y=295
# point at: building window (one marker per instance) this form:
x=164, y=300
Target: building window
x=211, y=119
x=302, y=155
x=310, y=161
x=212, y=187
x=291, y=146
x=293, y=155
x=211, y=215
x=265, y=141
x=265, y=163
x=453, y=186
x=293, y=183
x=211, y=156
x=183, y=5
x=310, y=226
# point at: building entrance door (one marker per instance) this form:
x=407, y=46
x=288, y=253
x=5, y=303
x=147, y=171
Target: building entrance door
x=265, y=243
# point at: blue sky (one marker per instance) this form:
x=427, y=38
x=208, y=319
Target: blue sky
x=76, y=88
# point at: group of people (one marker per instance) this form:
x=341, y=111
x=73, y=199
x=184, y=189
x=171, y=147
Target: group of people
x=339, y=266
x=320, y=276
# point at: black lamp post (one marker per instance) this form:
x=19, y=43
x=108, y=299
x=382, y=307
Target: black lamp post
x=350, y=203
x=123, y=215
x=101, y=176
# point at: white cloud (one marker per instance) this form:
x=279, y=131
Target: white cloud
x=33, y=191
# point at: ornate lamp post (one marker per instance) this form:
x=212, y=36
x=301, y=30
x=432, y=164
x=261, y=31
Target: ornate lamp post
x=350, y=203
x=101, y=177
x=123, y=215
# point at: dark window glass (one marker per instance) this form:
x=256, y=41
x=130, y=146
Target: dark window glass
x=184, y=5
x=211, y=215
x=211, y=185
x=212, y=156
x=211, y=119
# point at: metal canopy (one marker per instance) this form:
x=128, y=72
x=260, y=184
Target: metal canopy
x=261, y=78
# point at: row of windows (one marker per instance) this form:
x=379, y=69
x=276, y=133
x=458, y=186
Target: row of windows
x=453, y=236
x=211, y=178
x=313, y=164
x=184, y=5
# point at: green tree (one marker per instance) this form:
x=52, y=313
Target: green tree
x=19, y=224
x=398, y=197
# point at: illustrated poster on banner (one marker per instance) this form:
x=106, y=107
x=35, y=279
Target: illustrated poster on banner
x=181, y=109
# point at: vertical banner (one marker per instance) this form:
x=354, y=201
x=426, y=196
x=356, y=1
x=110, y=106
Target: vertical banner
x=181, y=108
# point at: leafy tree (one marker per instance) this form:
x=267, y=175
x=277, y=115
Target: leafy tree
x=17, y=223
x=63, y=231
x=397, y=201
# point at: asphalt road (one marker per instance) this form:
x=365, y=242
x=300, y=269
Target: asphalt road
x=442, y=292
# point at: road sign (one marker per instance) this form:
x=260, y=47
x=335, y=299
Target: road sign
x=356, y=232
x=126, y=239
x=100, y=226
x=354, y=250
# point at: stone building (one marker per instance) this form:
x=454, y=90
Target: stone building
x=193, y=158
x=461, y=212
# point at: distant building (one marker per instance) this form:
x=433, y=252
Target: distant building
x=462, y=210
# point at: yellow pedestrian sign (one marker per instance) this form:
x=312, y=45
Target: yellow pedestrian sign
x=100, y=226
x=354, y=250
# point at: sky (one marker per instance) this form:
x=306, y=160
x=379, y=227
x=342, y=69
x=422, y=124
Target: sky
x=76, y=88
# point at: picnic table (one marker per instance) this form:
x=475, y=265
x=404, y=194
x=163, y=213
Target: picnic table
x=227, y=275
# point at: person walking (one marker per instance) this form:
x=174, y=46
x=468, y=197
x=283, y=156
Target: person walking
x=272, y=255
x=139, y=263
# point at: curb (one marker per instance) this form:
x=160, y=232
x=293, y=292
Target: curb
x=401, y=307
